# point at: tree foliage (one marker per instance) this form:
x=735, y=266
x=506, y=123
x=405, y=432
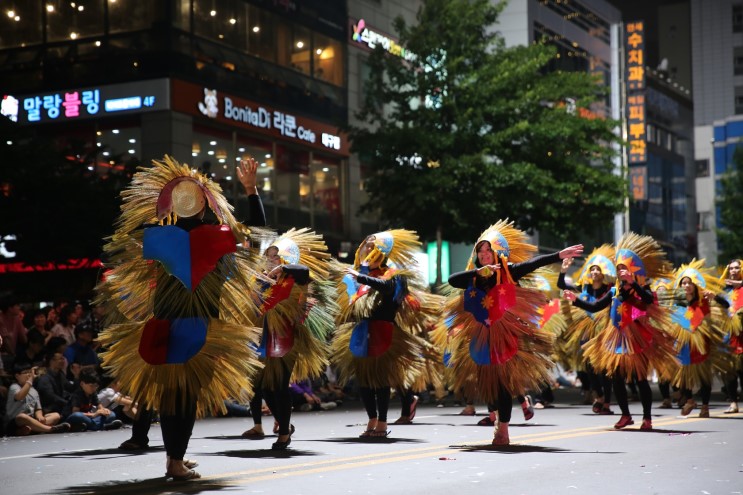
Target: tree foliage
x=730, y=203
x=469, y=132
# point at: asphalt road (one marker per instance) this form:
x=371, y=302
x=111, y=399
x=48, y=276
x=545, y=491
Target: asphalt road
x=562, y=450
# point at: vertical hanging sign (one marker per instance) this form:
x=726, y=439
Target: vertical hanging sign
x=634, y=43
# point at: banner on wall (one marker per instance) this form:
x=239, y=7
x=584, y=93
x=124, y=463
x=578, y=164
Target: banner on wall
x=228, y=109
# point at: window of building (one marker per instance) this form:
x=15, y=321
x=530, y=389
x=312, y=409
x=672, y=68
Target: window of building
x=20, y=25
x=260, y=28
x=325, y=174
x=71, y=21
x=131, y=16
x=294, y=47
x=739, y=100
x=118, y=148
x=738, y=18
x=702, y=167
x=213, y=155
x=292, y=189
x=328, y=59
x=738, y=60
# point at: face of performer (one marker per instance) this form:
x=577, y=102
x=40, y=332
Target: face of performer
x=273, y=258
x=622, y=272
x=485, y=254
x=689, y=288
x=596, y=274
x=367, y=247
x=734, y=270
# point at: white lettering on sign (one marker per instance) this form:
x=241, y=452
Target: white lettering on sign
x=305, y=134
x=331, y=141
x=5, y=252
x=258, y=118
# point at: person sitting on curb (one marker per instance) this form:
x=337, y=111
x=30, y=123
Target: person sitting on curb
x=23, y=410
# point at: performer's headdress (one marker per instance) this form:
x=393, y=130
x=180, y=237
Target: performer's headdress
x=643, y=257
x=305, y=247
x=168, y=190
x=397, y=246
x=658, y=283
x=506, y=241
x=602, y=257
x=700, y=276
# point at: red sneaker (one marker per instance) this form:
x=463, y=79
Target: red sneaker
x=647, y=424
x=623, y=421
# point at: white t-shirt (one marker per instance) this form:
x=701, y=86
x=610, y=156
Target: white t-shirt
x=108, y=397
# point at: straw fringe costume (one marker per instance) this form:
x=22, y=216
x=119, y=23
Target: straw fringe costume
x=632, y=344
x=379, y=318
x=734, y=338
x=585, y=325
x=698, y=327
x=298, y=315
x=177, y=291
x=496, y=348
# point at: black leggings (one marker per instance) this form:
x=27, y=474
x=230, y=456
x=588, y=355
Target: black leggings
x=177, y=428
x=620, y=390
x=376, y=402
x=406, y=400
x=600, y=383
x=504, y=406
x=279, y=401
x=705, y=391
x=732, y=385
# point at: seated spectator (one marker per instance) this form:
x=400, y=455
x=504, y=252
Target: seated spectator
x=40, y=324
x=11, y=328
x=235, y=409
x=58, y=344
x=66, y=326
x=85, y=411
x=53, y=386
x=304, y=399
x=23, y=413
x=31, y=353
x=81, y=352
x=122, y=405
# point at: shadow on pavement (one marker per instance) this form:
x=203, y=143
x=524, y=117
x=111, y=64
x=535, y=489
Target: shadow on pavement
x=668, y=432
x=521, y=449
x=267, y=453
x=383, y=440
x=151, y=486
x=111, y=453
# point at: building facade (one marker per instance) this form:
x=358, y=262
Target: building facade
x=717, y=74
x=209, y=83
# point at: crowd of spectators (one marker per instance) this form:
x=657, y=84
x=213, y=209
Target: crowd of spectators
x=50, y=371
x=51, y=378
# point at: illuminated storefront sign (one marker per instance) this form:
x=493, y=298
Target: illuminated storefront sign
x=635, y=61
x=9, y=107
x=196, y=100
x=638, y=180
x=91, y=102
x=47, y=266
x=636, y=129
x=635, y=92
x=366, y=37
